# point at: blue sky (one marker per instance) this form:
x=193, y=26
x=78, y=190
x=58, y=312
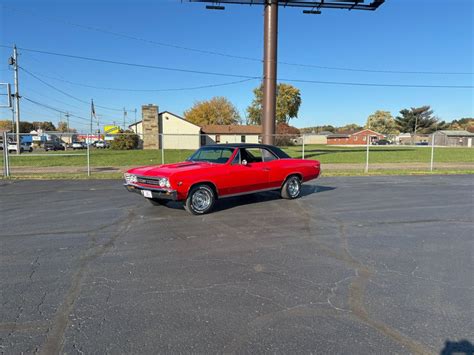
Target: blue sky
x=403, y=35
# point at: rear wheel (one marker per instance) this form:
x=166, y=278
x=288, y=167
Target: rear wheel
x=156, y=201
x=200, y=200
x=291, y=188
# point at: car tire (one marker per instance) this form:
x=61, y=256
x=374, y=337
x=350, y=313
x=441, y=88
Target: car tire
x=157, y=201
x=200, y=200
x=291, y=188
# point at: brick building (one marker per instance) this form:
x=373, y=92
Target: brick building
x=356, y=138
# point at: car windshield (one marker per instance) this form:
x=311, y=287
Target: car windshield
x=218, y=155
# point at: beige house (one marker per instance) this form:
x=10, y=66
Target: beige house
x=170, y=131
x=230, y=134
x=174, y=132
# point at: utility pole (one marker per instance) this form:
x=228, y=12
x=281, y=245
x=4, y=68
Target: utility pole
x=270, y=70
x=135, y=121
x=270, y=42
x=14, y=62
x=124, y=119
x=67, y=121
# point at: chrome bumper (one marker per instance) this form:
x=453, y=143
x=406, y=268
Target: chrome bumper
x=159, y=193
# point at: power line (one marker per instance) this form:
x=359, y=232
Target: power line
x=63, y=92
x=380, y=85
x=239, y=76
x=146, y=90
x=54, y=108
x=221, y=54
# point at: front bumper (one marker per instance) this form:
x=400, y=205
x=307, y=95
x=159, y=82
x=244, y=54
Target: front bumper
x=159, y=193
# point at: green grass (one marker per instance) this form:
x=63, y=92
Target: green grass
x=382, y=154
x=326, y=154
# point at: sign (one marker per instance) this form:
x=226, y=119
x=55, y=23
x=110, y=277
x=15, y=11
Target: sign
x=111, y=129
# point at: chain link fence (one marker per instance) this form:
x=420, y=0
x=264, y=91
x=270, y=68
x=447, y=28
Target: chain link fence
x=76, y=155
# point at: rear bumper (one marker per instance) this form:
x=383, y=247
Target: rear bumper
x=158, y=193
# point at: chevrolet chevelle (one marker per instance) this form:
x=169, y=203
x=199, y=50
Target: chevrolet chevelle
x=222, y=170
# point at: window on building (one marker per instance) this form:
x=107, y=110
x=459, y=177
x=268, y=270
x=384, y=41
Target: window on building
x=242, y=139
x=218, y=138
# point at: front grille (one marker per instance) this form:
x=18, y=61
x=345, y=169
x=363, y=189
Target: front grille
x=148, y=181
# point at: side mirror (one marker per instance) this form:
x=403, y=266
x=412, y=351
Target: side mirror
x=244, y=162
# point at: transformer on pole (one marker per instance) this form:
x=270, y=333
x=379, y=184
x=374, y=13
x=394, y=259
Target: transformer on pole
x=270, y=43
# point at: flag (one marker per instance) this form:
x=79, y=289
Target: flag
x=93, y=109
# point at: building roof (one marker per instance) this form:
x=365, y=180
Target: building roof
x=338, y=135
x=460, y=133
x=231, y=129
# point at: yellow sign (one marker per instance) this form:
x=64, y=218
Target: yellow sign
x=111, y=129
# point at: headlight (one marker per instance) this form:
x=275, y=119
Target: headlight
x=130, y=178
x=164, y=182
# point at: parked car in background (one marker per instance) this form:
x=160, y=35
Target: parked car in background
x=78, y=145
x=101, y=144
x=53, y=145
x=24, y=147
x=222, y=170
x=383, y=142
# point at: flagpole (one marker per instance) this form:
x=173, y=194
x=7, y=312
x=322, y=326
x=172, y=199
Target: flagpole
x=92, y=113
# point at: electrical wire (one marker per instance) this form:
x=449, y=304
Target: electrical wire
x=221, y=54
x=235, y=75
x=146, y=90
x=65, y=93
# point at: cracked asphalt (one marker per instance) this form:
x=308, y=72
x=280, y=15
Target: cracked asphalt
x=356, y=265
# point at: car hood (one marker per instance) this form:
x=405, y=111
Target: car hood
x=166, y=170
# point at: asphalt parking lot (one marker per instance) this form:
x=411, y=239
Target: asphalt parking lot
x=357, y=265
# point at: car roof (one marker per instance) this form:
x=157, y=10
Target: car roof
x=277, y=151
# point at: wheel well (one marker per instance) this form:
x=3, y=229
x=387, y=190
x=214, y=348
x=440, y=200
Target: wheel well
x=208, y=183
x=293, y=174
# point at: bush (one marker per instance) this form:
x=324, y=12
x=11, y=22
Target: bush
x=125, y=141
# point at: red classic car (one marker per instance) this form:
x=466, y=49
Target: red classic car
x=222, y=170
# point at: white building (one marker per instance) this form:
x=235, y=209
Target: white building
x=175, y=132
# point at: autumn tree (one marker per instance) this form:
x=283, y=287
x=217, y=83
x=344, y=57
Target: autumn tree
x=45, y=126
x=287, y=104
x=382, y=122
x=217, y=110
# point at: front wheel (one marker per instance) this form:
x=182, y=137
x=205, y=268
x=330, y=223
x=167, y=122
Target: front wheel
x=291, y=188
x=200, y=200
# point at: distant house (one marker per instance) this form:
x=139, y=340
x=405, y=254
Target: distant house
x=408, y=139
x=230, y=134
x=175, y=132
x=355, y=138
x=453, y=138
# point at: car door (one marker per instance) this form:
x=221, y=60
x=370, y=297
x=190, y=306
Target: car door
x=248, y=172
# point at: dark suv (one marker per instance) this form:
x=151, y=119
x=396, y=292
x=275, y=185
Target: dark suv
x=53, y=145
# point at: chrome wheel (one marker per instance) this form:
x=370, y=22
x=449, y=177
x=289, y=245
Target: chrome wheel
x=201, y=200
x=293, y=187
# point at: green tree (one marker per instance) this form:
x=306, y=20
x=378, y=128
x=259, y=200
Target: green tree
x=287, y=105
x=418, y=120
x=382, y=122
x=350, y=127
x=126, y=140
x=217, y=110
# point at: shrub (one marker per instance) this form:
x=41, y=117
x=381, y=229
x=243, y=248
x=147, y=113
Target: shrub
x=125, y=141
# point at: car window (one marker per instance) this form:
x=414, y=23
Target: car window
x=267, y=155
x=216, y=155
x=252, y=155
x=236, y=160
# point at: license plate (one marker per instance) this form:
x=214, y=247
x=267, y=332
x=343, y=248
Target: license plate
x=147, y=194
